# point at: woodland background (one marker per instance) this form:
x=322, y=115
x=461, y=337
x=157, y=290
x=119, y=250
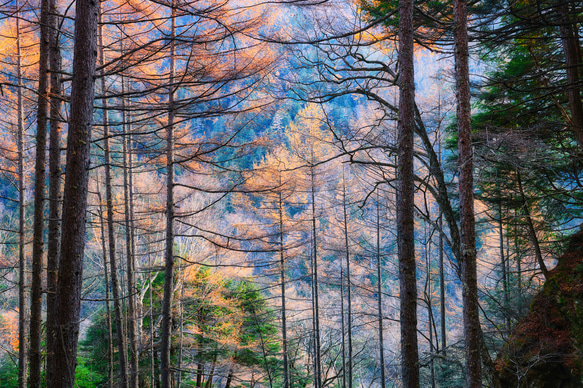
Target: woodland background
x=241, y=164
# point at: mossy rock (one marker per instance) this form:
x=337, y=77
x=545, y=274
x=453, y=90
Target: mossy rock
x=545, y=349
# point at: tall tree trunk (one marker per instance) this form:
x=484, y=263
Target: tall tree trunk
x=169, y=257
x=570, y=45
x=22, y=265
x=427, y=294
x=115, y=286
x=110, y=366
x=128, y=210
x=39, y=198
x=405, y=199
x=348, y=283
x=380, y=297
x=471, y=310
x=315, y=293
x=286, y=379
x=342, y=314
x=75, y=194
x=54, y=184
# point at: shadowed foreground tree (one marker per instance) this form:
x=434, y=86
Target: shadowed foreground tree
x=406, y=200
x=471, y=311
x=75, y=195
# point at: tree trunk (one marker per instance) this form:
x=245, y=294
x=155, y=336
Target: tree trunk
x=503, y=265
x=115, y=286
x=471, y=318
x=286, y=380
x=348, y=283
x=315, y=293
x=169, y=257
x=22, y=265
x=54, y=184
x=443, y=313
x=343, y=325
x=380, y=297
x=75, y=194
x=107, y=296
x=128, y=210
x=570, y=45
x=39, y=198
x=405, y=199
x=531, y=229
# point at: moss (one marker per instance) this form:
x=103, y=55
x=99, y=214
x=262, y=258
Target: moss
x=546, y=347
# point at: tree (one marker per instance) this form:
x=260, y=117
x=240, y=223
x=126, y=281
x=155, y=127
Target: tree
x=75, y=195
x=405, y=199
x=472, y=329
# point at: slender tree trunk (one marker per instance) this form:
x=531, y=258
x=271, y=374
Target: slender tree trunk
x=180, y=326
x=348, y=281
x=380, y=297
x=107, y=296
x=75, y=194
x=151, y=317
x=472, y=330
x=117, y=309
x=286, y=379
x=169, y=258
x=22, y=265
x=317, y=348
x=405, y=199
x=342, y=314
x=428, y=291
x=443, y=312
x=39, y=198
x=131, y=283
x=531, y=229
x=54, y=185
x=503, y=265
x=229, y=379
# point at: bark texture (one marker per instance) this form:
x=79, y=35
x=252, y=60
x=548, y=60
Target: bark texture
x=75, y=195
x=405, y=199
x=39, y=198
x=471, y=318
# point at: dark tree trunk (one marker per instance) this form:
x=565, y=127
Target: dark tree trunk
x=506, y=296
x=443, y=312
x=39, y=198
x=110, y=366
x=75, y=194
x=531, y=230
x=570, y=45
x=166, y=334
x=405, y=199
x=471, y=318
x=54, y=184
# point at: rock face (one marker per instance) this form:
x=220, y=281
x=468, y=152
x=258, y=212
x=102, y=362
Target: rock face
x=546, y=348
